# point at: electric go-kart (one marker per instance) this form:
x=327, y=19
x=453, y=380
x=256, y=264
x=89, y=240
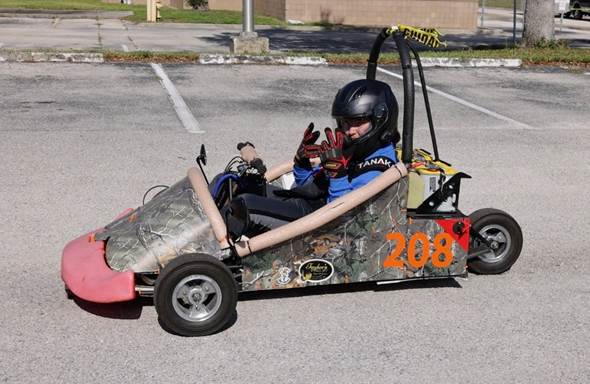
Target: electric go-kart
x=405, y=224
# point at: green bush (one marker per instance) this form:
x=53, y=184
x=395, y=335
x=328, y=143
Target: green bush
x=197, y=4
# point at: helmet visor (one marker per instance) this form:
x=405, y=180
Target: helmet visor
x=355, y=127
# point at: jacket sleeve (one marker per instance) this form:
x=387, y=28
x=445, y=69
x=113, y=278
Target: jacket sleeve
x=341, y=186
x=338, y=187
x=303, y=175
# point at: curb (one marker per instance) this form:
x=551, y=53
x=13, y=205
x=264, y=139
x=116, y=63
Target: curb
x=214, y=59
x=469, y=63
x=225, y=59
x=40, y=57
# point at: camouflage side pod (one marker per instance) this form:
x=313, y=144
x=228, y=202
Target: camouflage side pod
x=351, y=244
x=171, y=224
x=352, y=248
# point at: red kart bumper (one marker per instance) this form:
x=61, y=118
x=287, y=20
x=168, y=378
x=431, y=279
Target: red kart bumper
x=86, y=273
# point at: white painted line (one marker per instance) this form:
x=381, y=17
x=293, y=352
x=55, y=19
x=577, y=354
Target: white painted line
x=1, y=45
x=585, y=73
x=184, y=113
x=125, y=49
x=463, y=102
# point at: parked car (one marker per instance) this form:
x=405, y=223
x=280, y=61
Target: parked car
x=578, y=9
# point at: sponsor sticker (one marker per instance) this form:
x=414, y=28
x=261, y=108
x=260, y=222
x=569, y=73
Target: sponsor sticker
x=316, y=270
x=284, y=276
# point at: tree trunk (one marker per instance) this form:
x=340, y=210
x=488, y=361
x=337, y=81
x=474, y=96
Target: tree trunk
x=538, y=22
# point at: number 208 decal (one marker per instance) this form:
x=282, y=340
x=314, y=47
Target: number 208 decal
x=441, y=257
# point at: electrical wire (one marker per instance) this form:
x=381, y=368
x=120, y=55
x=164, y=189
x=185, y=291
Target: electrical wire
x=165, y=187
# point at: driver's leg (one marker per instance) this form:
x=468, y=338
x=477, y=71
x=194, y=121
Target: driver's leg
x=266, y=213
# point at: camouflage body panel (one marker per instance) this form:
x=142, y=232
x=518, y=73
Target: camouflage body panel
x=354, y=244
x=431, y=228
x=171, y=224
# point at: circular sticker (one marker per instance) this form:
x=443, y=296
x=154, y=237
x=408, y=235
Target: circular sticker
x=316, y=270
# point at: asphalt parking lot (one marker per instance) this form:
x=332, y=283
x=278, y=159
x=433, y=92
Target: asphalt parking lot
x=80, y=143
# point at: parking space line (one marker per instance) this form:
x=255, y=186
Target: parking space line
x=463, y=102
x=182, y=110
x=1, y=45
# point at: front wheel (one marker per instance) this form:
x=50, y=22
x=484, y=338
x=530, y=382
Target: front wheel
x=495, y=241
x=195, y=295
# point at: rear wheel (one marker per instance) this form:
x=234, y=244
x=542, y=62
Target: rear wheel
x=495, y=241
x=195, y=295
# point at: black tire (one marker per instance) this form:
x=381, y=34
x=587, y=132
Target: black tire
x=180, y=291
x=494, y=223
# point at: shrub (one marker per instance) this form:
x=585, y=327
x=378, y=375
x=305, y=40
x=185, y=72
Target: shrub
x=198, y=4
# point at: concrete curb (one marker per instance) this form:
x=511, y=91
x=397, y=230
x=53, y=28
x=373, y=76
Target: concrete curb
x=248, y=59
x=39, y=57
x=469, y=63
x=224, y=59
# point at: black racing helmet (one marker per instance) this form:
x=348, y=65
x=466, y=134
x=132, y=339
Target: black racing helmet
x=373, y=100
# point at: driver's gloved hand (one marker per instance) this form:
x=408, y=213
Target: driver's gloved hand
x=308, y=148
x=334, y=162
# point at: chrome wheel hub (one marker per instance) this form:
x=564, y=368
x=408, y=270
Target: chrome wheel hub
x=196, y=298
x=499, y=241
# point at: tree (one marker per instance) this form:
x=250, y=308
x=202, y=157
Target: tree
x=538, y=22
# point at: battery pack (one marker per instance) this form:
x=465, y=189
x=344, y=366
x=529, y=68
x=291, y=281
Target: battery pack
x=427, y=176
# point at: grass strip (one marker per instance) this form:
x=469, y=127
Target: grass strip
x=529, y=56
x=150, y=57
x=62, y=5
x=532, y=56
x=502, y=4
x=170, y=15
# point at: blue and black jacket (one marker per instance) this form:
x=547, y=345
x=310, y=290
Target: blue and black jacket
x=359, y=173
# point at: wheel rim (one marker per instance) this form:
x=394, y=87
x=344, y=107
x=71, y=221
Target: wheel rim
x=196, y=298
x=499, y=240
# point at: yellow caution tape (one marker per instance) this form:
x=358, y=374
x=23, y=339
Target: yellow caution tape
x=426, y=36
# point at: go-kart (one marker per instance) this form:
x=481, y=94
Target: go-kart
x=405, y=224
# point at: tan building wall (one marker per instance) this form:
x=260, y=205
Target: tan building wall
x=230, y=5
x=274, y=8
x=450, y=14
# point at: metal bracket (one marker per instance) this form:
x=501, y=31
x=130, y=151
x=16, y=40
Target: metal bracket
x=450, y=189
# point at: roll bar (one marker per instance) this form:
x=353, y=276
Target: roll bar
x=400, y=35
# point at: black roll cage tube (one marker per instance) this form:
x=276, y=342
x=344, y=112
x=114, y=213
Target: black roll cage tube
x=404, y=48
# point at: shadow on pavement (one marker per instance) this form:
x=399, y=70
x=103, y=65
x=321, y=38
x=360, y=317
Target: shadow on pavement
x=347, y=288
x=317, y=41
x=338, y=41
x=129, y=310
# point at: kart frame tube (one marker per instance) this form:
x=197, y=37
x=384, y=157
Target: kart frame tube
x=426, y=102
x=408, y=80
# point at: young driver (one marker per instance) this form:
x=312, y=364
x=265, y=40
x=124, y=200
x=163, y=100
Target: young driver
x=358, y=150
